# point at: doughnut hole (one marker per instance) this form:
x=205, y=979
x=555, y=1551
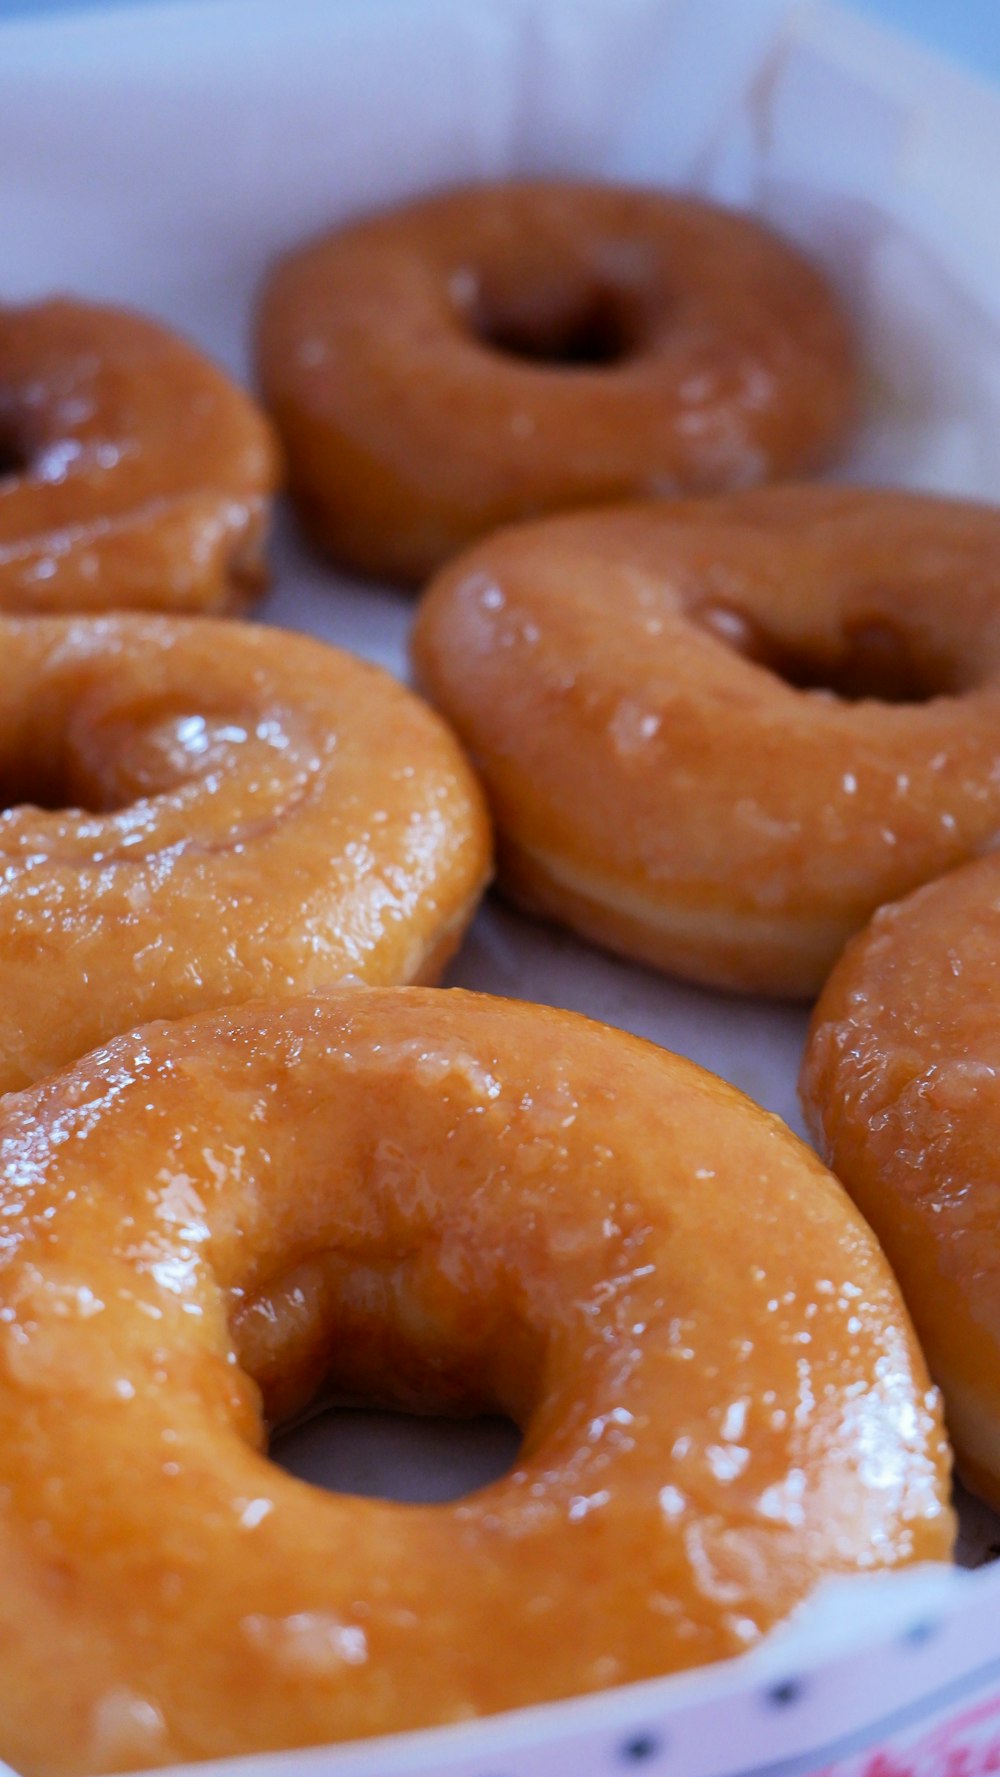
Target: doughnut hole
x=151, y=748
x=388, y=1336
x=39, y=771
x=432, y=1408
x=562, y=325
x=71, y=761
x=39, y=782
x=871, y=658
x=14, y=453
x=25, y=433
x=400, y=1456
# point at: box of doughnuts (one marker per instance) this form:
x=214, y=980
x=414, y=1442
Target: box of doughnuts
x=498, y=859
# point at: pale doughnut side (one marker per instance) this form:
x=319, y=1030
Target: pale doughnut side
x=776, y=955
x=443, y=1202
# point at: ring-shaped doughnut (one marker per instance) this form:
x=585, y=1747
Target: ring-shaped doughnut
x=199, y=812
x=717, y=734
x=446, y=1202
x=132, y=471
x=502, y=351
x=901, y=1085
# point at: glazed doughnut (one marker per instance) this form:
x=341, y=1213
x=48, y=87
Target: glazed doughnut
x=901, y=1085
x=444, y=1202
x=199, y=812
x=718, y=734
x=502, y=351
x=132, y=471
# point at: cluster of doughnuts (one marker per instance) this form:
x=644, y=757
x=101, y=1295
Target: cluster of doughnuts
x=716, y=726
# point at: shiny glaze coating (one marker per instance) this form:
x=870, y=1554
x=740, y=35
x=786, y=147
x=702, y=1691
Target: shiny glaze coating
x=717, y=734
x=199, y=812
x=132, y=471
x=446, y=1202
x=502, y=351
x=901, y=1085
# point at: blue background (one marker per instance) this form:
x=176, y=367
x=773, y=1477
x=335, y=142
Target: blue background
x=966, y=30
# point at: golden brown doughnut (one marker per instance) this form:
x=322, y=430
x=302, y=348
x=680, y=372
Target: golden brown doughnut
x=200, y=812
x=444, y=1202
x=717, y=734
x=502, y=351
x=901, y=1085
x=132, y=471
